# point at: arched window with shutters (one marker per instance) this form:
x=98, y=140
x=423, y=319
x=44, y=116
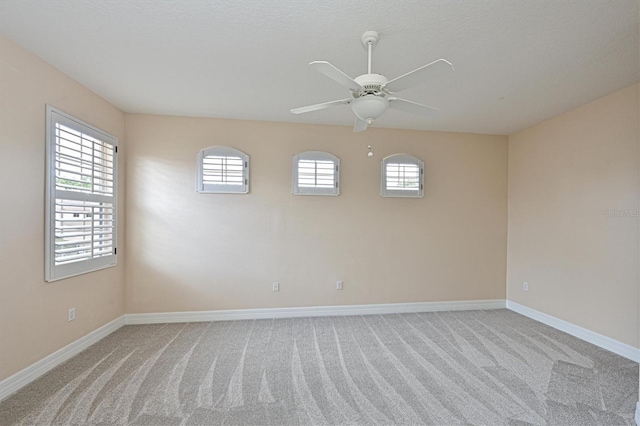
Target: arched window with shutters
x=316, y=173
x=223, y=170
x=402, y=176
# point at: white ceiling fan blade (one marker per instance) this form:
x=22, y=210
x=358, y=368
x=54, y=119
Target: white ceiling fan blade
x=316, y=107
x=412, y=107
x=421, y=75
x=335, y=74
x=360, y=125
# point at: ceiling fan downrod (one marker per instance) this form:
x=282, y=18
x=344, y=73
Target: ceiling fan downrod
x=369, y=39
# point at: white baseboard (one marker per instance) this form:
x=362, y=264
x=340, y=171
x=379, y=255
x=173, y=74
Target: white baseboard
x=604, y=342
x=22, y=378
x=638, y=413
x=312, y=311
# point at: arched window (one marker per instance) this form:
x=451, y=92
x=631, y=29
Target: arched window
x=223, y=170
x=316, y=173
x=402, y=176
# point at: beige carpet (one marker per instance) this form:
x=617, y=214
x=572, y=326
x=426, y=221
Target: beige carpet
x=475, y=367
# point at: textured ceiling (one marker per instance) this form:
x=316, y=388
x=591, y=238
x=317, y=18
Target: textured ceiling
x=517, y=62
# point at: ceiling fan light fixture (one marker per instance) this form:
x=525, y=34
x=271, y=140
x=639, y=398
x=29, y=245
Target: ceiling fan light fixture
x=369, y=108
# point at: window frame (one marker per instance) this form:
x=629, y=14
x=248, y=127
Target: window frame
x=55, y=272
x=401, y=159
x=222, y=151
x=296, y=189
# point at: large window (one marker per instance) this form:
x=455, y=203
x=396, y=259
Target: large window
x=222, y=169
x=316, y=173
x=81, y=197
x=402, y=176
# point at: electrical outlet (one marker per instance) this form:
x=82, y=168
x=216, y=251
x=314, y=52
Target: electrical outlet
x=276, y=286
x=525, y=286
x=72, y=314
x=339, y=285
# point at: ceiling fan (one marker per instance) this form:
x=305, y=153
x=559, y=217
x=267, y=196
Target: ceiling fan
x=372, y=94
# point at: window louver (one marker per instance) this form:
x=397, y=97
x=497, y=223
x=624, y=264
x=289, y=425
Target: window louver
x=316, y=174
x=83, y=163
x=403, y=177
x=222, y=170
x=83, y=230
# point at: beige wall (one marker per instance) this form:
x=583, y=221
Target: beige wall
x=573, y=225
x=190, y=251
x=33, y=313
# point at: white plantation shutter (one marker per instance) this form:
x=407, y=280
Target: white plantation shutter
x=83, y=230
x=222, y=169
x=402, y=176
x=81, y=197
x=316, y=173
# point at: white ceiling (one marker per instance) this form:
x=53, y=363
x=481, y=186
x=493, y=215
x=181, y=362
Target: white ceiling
x=517, y=62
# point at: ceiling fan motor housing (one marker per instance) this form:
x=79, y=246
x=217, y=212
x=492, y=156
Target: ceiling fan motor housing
x=372, y=84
